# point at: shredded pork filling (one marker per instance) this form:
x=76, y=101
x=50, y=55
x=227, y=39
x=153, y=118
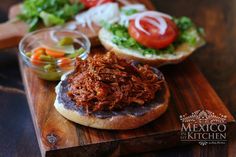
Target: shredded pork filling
x=107, y=83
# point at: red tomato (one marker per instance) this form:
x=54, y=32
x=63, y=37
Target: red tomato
x=155, y=39
x=92, y=3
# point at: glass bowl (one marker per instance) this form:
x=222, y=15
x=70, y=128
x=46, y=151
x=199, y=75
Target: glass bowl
x=42, y=51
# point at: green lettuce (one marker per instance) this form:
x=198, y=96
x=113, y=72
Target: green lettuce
x=48, y=12
x=188, y=33
x=50, y=19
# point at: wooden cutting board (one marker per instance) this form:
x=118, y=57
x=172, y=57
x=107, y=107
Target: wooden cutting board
x=59, y=137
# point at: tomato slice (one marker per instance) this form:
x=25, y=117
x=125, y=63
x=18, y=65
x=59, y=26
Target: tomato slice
x=92, y=3
x=153, y=40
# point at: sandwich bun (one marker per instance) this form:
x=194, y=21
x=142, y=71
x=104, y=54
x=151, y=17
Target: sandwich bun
x=182, y=51
x=118, y=121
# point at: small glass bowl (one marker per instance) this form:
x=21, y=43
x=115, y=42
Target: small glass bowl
x=51, y=37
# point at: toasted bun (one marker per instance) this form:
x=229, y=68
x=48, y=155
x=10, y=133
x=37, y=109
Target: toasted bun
x=118, y=122
x=181, y=52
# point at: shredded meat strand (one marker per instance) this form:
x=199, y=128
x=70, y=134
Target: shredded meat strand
x=107, y=83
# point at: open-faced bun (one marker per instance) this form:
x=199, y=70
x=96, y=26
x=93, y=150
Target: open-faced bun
x=129, y=117
x=181, y=52
x=119, y=122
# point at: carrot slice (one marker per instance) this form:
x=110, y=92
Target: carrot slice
x=39, y=49
x=35, y=58
x=65, y=63
x=55, y=53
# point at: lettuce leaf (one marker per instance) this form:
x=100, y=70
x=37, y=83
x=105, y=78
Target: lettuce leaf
x=48, y=12
x=50, y=19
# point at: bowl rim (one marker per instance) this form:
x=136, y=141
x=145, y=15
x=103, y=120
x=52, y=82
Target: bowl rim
x=83, y=56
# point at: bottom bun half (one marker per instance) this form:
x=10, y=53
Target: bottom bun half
x=118, y=122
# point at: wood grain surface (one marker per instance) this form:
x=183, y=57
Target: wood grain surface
x=57, y=136
x=216, y=61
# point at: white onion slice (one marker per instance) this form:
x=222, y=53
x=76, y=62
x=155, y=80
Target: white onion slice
x=124, y=19
x=108, y=12
x=160, y=23
x=89, y=23
x=138, y=7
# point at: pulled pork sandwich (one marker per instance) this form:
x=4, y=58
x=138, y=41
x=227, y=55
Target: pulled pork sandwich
x=108, y=92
